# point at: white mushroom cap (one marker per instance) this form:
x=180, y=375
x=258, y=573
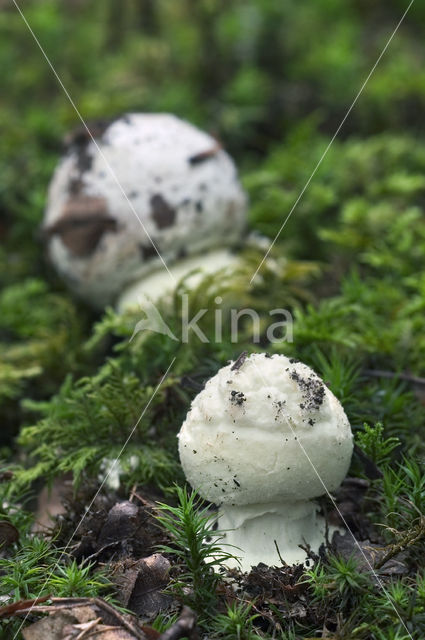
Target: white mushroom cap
x=184, y=189
x=241, y=441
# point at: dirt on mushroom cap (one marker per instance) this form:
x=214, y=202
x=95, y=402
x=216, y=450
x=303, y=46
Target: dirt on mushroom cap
x=253, y=430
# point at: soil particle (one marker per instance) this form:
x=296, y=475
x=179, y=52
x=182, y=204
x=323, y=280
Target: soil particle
x=123, y=530
x=279, y=404
x=237, y=397
x=278, y=585
x=312, y=389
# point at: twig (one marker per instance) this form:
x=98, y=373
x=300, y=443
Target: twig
x=124, y=623
x=239, y=361
x=144, y=501
x=21, y=605
x=262, y=614
x=198, y=158
x=88, y=630
x=190, y=383
x=97, y=553
x=411, y=537
x=380, y=373
x=103, y=630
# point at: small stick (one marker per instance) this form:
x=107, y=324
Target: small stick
x=123, y=622
x=239, y=361
x=380, y=373
x=97, y=553
x=198, y=158
x=101, y=631
x=284, y=564
x=21, y=605
x=132, y=493
x=146, y=503
x=88, y=630
x=409, y=539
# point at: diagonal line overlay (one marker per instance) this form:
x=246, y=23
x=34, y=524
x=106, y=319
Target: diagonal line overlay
x=99, y=150
x=356, y=542
x=360, y=91
x=87, y=511
x=112, y=173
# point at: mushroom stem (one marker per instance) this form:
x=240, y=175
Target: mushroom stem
x=258, y=528
x=159, y=282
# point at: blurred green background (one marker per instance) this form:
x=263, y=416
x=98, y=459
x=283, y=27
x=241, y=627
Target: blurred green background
x=260, y=74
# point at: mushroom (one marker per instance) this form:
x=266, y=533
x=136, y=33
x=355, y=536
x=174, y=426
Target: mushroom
x=151, y=186
x=261, y=440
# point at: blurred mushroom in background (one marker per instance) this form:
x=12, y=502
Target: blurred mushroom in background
x=150, y=190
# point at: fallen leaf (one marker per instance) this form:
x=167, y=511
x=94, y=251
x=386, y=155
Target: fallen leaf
x=141, y=583
x=14, y=607
x=76, y=623
x=51, y=627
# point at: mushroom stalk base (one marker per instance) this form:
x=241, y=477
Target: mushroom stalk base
x=257, y=529
x=159, y=283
